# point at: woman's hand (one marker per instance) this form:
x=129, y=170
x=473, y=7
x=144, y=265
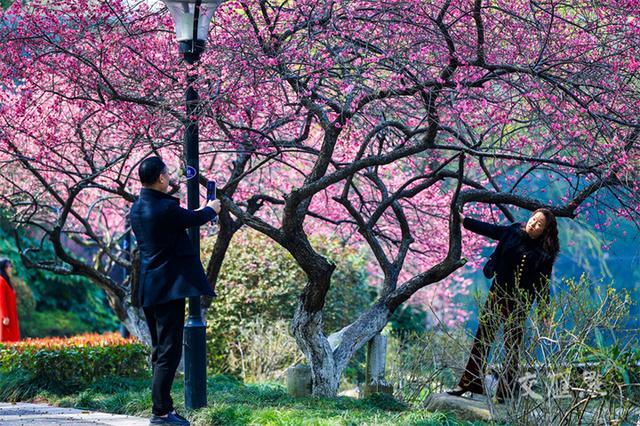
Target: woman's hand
x=461, y=216
x=5, y=321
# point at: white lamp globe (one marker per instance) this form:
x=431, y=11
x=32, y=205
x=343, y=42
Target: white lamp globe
x=192, y=19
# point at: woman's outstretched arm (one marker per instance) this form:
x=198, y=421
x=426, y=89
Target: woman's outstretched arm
x=495, y=232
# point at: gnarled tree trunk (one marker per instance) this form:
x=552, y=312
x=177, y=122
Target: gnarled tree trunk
x=307, y=329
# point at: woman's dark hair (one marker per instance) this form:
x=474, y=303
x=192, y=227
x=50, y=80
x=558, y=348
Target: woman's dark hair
x=150, y=170
x=4, y=263
x=549, y=238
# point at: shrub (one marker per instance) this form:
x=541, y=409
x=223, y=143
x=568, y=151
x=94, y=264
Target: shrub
x=26, y=305
x=263, y=351
x=582, y=366
x=17, y=385
x=408, y=319
x=63, y=365
x=259, y=279
x=54, y=323
x=577, y=366
x=421, y=364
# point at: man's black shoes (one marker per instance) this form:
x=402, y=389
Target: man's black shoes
x=172, y=419
x=175, y=413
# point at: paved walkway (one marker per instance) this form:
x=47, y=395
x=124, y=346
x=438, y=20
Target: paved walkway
x=45, y=415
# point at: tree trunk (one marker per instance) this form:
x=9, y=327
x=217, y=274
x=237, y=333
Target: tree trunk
x=358, y=333
x=328, y=357
x=132, y=317
x=137, y=325
x=307, y=329
x=120, y=301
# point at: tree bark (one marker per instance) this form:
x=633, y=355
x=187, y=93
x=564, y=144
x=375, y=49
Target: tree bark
x=132, y=317
x=328, y=357
x=136, y=324
x=307, y=330
x=120, y=301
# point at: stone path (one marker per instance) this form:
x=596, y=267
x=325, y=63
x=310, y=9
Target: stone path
x=45, y=415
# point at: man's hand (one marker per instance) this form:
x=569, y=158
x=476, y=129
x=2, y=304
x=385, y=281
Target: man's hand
x=215, y=205
x=5, y=321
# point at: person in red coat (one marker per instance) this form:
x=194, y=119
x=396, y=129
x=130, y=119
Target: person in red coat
x=9, y=329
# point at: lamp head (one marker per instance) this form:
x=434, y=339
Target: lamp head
x=191, y=19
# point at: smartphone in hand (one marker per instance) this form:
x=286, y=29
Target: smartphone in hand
x=211, y=195
x=211, y=190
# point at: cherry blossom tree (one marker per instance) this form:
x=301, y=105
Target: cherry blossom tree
x=376, y=121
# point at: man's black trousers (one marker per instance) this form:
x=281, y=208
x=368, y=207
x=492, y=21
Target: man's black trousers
x=166, y=324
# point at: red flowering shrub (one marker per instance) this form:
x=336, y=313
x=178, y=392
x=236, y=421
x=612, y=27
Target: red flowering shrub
x=68, y=363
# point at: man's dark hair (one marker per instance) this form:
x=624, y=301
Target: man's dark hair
x=150, y=170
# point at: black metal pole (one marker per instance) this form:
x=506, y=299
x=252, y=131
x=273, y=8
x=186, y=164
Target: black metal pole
x=195, y=355
x=126, y=249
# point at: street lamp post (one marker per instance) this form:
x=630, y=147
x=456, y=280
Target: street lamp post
x=126, y=254
x=191, y=19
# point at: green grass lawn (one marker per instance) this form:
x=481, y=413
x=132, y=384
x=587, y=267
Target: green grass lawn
x=232, y=402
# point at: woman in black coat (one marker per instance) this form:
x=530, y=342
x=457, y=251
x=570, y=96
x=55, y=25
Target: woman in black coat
x=521, y=267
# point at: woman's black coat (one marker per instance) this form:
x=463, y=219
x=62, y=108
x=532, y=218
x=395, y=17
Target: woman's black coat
x=520, y=261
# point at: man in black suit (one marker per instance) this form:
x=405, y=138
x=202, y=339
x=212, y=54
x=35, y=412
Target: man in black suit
x=170, y=271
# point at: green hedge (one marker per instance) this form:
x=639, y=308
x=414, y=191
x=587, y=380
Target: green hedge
x=68, y=364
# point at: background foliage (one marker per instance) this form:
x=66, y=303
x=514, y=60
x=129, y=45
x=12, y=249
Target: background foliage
x=258, y=287
x=261, y=280
x=50, y=304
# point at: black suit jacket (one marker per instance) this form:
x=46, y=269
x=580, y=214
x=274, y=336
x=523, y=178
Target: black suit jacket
x=170, y=268
x=520, y=261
